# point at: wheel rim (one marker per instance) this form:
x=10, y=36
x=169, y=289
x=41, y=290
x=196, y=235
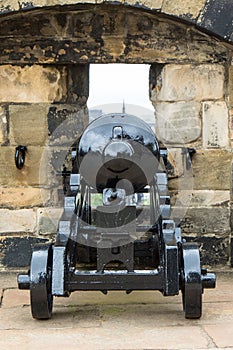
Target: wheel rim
x=41, y=281
x=191, y=281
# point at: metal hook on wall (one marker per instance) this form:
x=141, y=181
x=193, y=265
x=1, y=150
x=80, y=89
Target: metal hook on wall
x=20, y=153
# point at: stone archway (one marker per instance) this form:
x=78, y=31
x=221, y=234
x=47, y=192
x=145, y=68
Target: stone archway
x=44, y=56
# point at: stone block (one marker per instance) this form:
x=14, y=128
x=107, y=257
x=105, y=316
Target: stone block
x=32, y=84
x=175, y=162
x=23, y=197
x=151, y=4
x=206, y=220
x=178, y=122
x=8, y=6
x=66, y=123
x=64, y=38
x=215, y=124
x=230, y=86
x=183, y=8
x=189, y=82
x=16, y=221
x=28, y=124
x=3, y=125
x=202, y=198
x=78, y=84
x=36, y=171
x=48, y=219
x=214, y=250
x=16, y=251
x=211, y=171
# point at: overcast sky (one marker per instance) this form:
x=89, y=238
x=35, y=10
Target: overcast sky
x=113, y=83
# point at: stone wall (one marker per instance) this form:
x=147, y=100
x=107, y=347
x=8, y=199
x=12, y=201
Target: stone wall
x=45, y=51
x=192, y=109
x=41, y=109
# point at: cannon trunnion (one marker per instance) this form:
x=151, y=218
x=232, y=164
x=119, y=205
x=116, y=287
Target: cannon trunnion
x=116, y=232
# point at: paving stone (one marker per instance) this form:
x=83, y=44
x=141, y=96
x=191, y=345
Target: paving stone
x=141, y=320
x=19, y=318
x=221, y=334
x=8, y=280
x=123, y=337
x=15, y=298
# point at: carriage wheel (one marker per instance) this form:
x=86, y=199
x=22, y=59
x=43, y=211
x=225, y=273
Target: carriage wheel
x=191, y=284
x=41, y=282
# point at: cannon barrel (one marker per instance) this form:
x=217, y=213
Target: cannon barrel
x=118, y=147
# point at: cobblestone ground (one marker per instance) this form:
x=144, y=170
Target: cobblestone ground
x=141, y=320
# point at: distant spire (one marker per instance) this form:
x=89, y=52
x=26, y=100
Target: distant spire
x=123, y=107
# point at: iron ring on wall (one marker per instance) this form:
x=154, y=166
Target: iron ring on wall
x=20, y=153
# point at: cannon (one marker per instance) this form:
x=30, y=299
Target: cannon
x=116, y=230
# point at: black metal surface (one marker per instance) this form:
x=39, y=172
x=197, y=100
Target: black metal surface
x=117, y=155
x=111, y=246
x=40, y=282
x=20, y=154
x=191, y=281
x=217, y=17
x=115, y=280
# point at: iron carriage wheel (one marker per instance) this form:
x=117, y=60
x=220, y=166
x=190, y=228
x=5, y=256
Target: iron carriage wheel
x=41, y=281
x=191, y=281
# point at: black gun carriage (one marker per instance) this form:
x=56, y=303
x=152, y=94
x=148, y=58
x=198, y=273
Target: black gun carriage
x=107, y=240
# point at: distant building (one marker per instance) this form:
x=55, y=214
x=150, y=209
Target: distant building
x=94, y=113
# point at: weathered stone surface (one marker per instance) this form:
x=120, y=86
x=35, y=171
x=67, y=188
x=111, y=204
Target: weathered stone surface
x=8, y=6
x=23, y=197
x=207, y=220
x=35, y=84
x=78, y=84
x=104, y=35
x=28, y=124
x=23, y=220
x=214, y=250
x=178, y=123
x=66, y=123
x=215, y=124
x=183, y=8
x=3, y=125
x=230, y=86
x=16, y=251
x=34, y=173
x=202, y=199
x=215, y=17
x=151, y=4
x=48, y=219
x=189, y=82
x=175, y=162
x=211, y=171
